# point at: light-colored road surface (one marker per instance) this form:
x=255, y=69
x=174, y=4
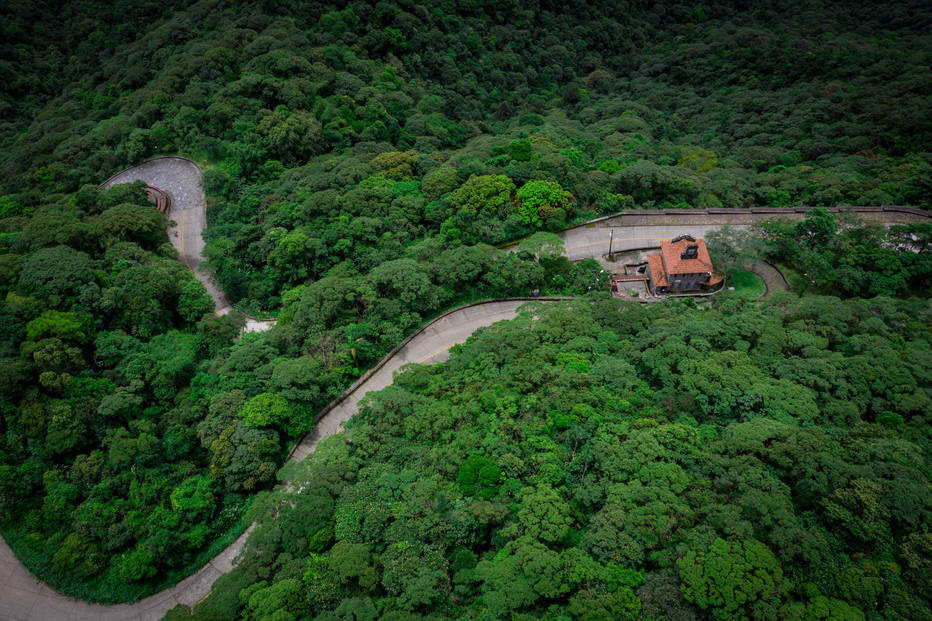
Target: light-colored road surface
x=593, y=242
x=430, y=346
x=24, y=597
x=180, y=178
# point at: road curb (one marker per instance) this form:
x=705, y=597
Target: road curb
x=362, y=379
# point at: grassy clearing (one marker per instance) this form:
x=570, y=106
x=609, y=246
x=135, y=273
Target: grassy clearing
x=747, y=284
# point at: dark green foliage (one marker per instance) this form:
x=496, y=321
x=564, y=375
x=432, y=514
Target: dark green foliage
x=654, y=106
x=835, y=253
x=514, y=480
x=104, y=487
x=360, y=163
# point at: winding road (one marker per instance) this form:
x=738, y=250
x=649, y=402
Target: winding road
x=180, y=178
x=23, y=597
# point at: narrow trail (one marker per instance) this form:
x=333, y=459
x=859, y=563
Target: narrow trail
x=23, y=597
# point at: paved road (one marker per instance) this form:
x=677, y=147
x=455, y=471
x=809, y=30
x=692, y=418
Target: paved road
x=23, y=597
x=180, y=178
x=585, y=242
x=429, y=346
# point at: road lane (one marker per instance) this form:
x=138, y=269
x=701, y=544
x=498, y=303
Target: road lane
x=23, y=597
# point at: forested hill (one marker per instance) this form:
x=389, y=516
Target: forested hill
x=361, y=162
x=610, y=460
x=310, y=113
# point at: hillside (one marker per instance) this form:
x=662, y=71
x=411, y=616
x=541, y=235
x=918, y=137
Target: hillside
x=363, y=163
x=610, y=460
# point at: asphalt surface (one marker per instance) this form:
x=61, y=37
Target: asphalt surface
x=430, y=346
x=180, y=178
x=593, y=242
x=23, y=597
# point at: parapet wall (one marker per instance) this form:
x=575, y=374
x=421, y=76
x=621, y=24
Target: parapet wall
x=675, y=217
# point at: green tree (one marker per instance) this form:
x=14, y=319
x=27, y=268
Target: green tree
x=293, y=137
x=478, y=476
x=733, y=579
x=193, y=301
x=282, y=601
x=538, y=199
x=57, y=274
x=265, y=410
x=195, y=498
x=483, y=194
x=543, y=513
x=143, y=225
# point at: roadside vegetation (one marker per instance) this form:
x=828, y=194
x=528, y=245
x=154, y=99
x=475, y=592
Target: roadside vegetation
x=602, y=459
x=362, y=162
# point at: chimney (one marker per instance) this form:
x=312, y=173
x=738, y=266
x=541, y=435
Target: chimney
x=691, y=252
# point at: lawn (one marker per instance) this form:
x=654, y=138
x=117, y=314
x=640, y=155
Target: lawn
x=747, y=284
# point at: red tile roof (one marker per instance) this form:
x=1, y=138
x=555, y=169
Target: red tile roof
x=672, y=251
x=655, y=265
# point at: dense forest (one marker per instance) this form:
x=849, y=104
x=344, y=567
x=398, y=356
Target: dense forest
x=363, y=161
x=609, y=460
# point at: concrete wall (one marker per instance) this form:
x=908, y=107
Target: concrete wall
x=678, y=217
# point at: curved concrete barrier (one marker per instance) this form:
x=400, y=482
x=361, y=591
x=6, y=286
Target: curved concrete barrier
x=429, y=344
x=25, y=597
x=180, y=179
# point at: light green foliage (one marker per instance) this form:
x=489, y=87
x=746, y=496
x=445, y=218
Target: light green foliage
x=543, y=513
x=395, y=165
x=137, y=565
x=264, y=410
x=194, y=302
x=50, y=323
x=733, y=579
x=542, y=245
x=195, y=498
x=483, y=194
x=747, y=283
x=821, y=607
x=700, y=160
x=537, y=199
x=278, y=602
x=576, y=362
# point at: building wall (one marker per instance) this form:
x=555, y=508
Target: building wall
x=686, y=282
